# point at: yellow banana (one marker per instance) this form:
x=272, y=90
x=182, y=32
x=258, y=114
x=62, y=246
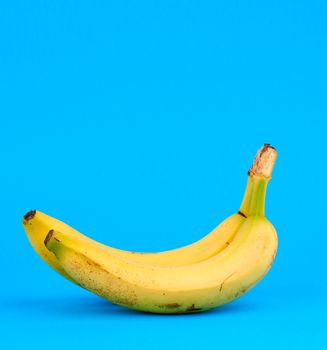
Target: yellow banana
x=174, y=289
x=37, y=225
x=198, y=285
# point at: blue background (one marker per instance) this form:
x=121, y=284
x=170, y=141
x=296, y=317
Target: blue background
x=136, y=122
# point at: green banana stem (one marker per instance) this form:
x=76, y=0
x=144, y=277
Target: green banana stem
x=258, y=177
x=254, y=198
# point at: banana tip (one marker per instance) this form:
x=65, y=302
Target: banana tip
x=268, y=145
x=48, y=237
x=29, y=216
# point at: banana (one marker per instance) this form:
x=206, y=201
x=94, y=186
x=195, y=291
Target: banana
x=175, y=289
x=193, y=286
x=38, y=224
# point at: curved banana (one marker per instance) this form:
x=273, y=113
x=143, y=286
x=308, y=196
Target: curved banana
x=37, y=225
x=197, y=286
x=175, y=289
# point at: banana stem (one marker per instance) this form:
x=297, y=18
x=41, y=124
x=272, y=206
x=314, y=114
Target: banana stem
x=254, y=198
x=258, y=177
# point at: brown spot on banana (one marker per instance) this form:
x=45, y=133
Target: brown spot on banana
x=224, y=281
x=192, y=308
x=170, y=306
x=49, y=236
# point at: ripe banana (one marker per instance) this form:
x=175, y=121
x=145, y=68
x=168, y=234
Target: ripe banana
x=174, y=289
x=37, y=225
x=211, y=272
